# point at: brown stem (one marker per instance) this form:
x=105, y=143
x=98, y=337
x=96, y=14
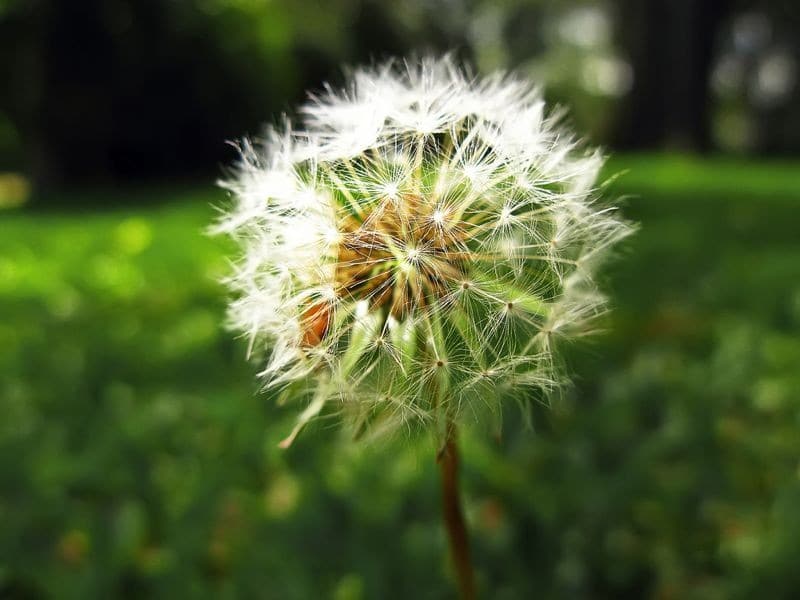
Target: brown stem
x=454, y=516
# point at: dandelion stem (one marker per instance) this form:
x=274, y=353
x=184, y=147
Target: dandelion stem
x=454, y=516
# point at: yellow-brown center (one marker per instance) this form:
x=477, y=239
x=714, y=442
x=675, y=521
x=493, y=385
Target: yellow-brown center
x=401, y=255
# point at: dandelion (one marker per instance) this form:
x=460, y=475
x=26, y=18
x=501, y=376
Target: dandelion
x=414, y=253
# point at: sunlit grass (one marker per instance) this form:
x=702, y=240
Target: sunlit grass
x=136, y=454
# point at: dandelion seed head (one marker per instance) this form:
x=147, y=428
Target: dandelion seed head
x=414, y=248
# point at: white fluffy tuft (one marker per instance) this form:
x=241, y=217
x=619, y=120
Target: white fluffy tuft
x=411, y=253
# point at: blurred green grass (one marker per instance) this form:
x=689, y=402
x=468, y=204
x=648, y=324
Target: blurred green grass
x=138, y=460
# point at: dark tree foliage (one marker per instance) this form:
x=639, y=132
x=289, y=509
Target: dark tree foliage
x=778, y=126
x=670, y=44
x=120, y=90
x=131, y=89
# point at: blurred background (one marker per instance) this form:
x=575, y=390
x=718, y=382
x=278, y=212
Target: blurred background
x=137, y=458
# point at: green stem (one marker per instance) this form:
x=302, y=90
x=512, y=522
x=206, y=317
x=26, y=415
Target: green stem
x=454, y=516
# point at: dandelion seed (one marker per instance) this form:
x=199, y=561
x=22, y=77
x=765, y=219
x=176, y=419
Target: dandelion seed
x=413, y=251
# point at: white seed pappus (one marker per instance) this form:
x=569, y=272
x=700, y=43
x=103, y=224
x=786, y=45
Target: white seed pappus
x=414, y=250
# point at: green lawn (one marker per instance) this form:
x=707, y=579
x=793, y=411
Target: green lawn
x=137, y=458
